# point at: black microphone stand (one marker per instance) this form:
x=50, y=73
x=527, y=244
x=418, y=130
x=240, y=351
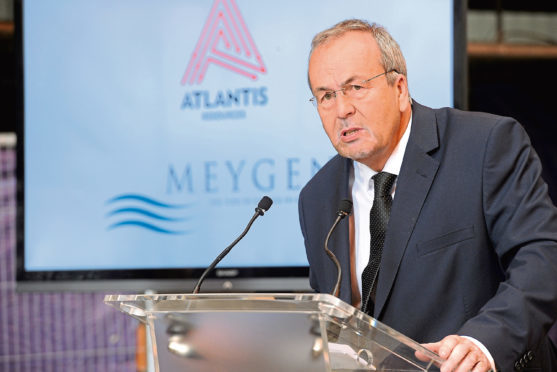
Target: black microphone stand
x=263, y=205
x=344, y=210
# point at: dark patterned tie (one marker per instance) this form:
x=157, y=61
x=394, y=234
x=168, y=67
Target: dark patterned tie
x=378, y=219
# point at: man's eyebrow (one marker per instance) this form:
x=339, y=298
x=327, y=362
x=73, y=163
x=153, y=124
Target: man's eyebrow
x=350, y=80
x=347, y=81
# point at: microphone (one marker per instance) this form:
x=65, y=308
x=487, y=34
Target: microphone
x=263, y=205
x=344, y=209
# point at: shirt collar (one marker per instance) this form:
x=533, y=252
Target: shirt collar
x=363, y=174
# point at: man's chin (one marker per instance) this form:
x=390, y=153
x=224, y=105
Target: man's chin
x=364, y=157
x=360, y=156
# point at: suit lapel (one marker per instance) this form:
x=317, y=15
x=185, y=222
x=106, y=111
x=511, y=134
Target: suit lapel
x=416, y=176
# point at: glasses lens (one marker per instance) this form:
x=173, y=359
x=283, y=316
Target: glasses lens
x=356, y=91
x=326, y=99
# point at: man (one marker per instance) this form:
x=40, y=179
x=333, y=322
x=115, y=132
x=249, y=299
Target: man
x=469, y=253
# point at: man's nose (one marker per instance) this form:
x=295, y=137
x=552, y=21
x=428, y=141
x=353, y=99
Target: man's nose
x=344, y=105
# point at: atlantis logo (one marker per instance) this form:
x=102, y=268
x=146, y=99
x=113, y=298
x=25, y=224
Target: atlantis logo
x=224, y=27
x=226, y=43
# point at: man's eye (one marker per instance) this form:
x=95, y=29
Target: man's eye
x=357, y=87
x=327, y=96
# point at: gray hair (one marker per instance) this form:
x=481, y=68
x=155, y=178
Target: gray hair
x=391, y=55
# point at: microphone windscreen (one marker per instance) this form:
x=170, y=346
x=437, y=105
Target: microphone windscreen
x=345, y=206
x=265, y=203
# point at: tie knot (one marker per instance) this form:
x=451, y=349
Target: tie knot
x=383, y=183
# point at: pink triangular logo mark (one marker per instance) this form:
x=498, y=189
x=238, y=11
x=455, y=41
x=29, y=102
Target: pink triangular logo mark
x=226, y=42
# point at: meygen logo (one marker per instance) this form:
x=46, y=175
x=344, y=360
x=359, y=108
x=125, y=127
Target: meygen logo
x=225, y=42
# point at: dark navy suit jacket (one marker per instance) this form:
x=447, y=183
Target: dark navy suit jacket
x=471, y=244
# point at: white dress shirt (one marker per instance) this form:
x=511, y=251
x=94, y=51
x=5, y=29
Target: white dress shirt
x=362, y=198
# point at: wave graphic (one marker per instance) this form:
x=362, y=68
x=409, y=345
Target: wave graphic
x=148, y=213
x=147, y=200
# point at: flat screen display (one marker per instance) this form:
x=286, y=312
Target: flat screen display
x=151, y=129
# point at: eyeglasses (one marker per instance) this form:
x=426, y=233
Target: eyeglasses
x=326, y=99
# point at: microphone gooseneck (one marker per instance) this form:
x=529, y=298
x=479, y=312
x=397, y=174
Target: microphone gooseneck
x=344, y=209
x=263, y=205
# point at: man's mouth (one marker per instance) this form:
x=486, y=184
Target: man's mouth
x=349, y=132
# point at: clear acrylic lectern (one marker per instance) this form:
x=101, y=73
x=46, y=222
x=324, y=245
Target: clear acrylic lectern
x=269, y=332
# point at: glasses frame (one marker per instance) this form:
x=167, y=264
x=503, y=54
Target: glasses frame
x=343, y=89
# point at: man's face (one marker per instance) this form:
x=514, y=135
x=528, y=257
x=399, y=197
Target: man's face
x=366, y=129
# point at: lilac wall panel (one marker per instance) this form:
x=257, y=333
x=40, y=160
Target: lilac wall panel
x=53, y=331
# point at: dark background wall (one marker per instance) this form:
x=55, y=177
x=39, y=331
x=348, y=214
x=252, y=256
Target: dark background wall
x=514, y=72
x=7, y=79
x=524, y=89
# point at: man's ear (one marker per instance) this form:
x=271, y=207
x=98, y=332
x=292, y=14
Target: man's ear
x=401, y=85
